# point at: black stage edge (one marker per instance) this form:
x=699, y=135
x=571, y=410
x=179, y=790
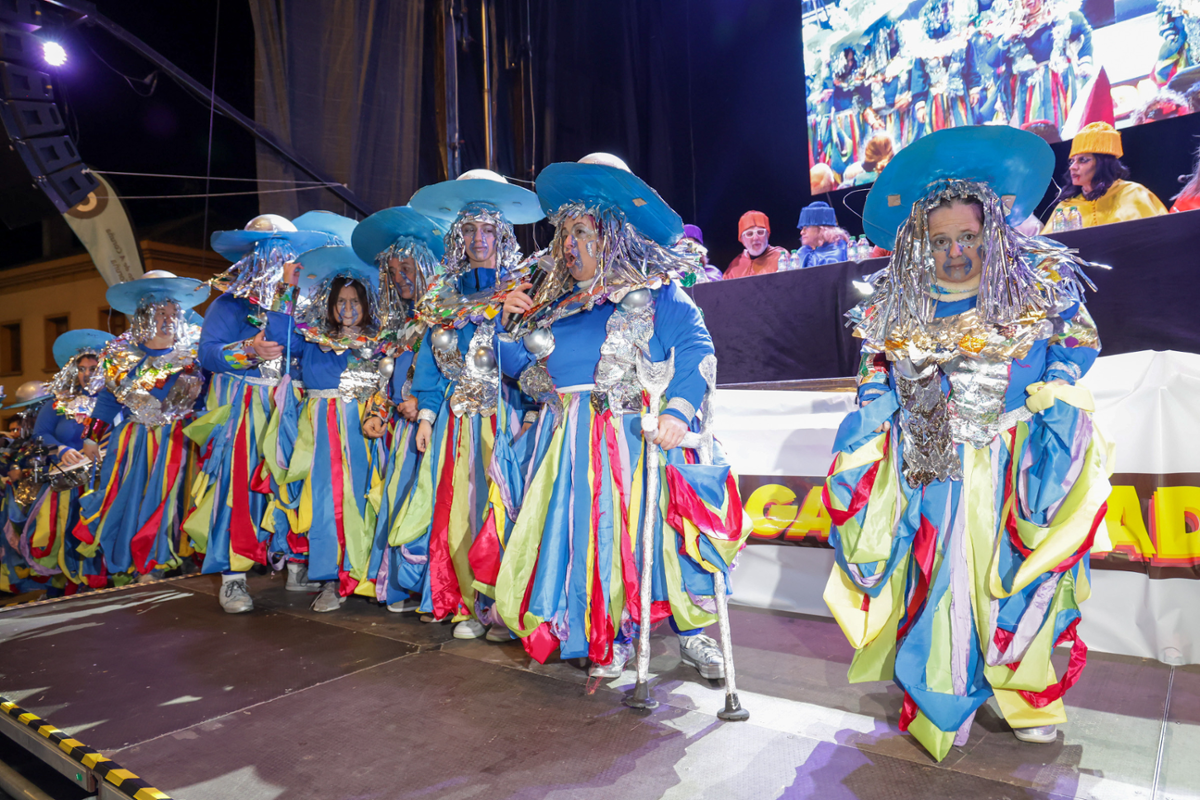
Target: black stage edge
x=286, y=704
x=789, y=326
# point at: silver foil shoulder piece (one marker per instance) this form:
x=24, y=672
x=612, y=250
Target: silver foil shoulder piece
x=929, y=451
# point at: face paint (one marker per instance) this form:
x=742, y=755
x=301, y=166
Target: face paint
x=582, y=247
x=348, y=309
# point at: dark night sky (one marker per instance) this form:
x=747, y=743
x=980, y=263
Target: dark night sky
x=117, y=129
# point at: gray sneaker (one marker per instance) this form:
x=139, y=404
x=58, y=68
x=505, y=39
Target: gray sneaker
x=330, y=599
x=614, y=668
x=297, y=579
x=235, y=597
x=499, y=632
x=703, y=653
x=1044, y=734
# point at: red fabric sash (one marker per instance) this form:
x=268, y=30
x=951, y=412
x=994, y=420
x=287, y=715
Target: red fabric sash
x=862, y=493
x=444, y=588
x=42, y=552
x=924, y=549
x=243, y=539
x=346, y=584
x=484, y=555
x=1075, y=665
x=600, y=641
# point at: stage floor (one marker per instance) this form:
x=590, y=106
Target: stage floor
x=284, y=703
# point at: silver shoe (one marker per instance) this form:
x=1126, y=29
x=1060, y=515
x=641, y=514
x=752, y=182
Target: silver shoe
x=613, y=669
x=330, y=599
x=1043, y=734
x=703, y=653
x=297, y=579
x=469, y=629
x=235, y=597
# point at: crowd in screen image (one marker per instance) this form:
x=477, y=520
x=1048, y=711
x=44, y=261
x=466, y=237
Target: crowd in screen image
x=884, y=73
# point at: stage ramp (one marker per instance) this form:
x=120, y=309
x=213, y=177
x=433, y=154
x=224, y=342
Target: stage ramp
x=185, y=701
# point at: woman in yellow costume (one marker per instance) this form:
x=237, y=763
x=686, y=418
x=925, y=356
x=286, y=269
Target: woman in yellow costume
x=967, y=489
x=1095, y=189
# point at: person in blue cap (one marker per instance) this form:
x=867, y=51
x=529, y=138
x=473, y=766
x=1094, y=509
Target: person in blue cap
x=458, y=387
x=48, y=541
x=18, y=489
x=821, y=240
x=969, y=486
x=332, y=298
x=236, y=520
x=149, y=380
x=571, y=568
x=407, y=247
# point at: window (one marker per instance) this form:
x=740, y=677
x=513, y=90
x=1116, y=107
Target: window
x=114, y=322
x=10, y=349
x=56, y=326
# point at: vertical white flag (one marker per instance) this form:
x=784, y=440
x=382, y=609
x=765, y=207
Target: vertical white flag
x=101, y=223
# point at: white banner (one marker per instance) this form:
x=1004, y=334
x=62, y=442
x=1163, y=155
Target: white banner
x=102, y=225
x=781, y=445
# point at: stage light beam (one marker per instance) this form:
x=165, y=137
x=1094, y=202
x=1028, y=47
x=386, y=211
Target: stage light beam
x=54, y=54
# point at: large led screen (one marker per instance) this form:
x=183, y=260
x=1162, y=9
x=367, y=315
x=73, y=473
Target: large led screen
x=881, y=73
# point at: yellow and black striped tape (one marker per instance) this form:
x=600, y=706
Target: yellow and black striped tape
x=125, y=781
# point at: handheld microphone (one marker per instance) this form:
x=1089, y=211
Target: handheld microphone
x=537, y=279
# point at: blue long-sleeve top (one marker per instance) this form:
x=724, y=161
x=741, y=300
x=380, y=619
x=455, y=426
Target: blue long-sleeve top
x=399, y=376
x=1040, y=43
x=1060, y=357
x=58, y=430
x=226, y=322
x=107, y=405
x=578, y=338
x=319, y=368
x=429, y=385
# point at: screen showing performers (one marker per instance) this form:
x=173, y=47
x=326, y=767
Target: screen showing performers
x=902, y=69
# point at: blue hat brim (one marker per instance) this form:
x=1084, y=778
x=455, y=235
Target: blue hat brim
x=1016, y=164
x=380, y=231
x=442, y=201
x=597, y=184
x=324, y=262
x=71, y=342
x=187, y=292
x=27, y=403
x=327, y=222
x=236, y=245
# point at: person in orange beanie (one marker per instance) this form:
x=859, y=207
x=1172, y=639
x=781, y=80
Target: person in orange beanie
x=760, y=257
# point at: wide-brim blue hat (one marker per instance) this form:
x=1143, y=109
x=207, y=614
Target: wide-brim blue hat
x=42, y=395
x=236, y=245
x=442, y=201
x=328, y=223
x=1016, y=164
x=326, y=262
x=380, y=231
x=818, y=213
x=186, y=292
x=600, y=184
x=72, y=342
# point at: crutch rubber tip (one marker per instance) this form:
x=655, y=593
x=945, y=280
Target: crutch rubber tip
x=640, y=698
x=733, y=711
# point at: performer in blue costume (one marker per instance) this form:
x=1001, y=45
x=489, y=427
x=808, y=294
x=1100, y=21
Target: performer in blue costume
x=340, y=453
x=969, y=487
x=48, y=542
x=150, y=378
x=19, y=491
x=408, y=248
x=611, y=309
x=235, y=520
x=459, y=389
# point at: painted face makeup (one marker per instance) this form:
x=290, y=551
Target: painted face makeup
x=581, y=247
x=404, y=275
x=954, y=235
x=480, y=238
x=349, y=309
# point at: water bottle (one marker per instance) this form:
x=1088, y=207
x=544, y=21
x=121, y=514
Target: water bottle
x=864, y=248
x=1074, y=219
x=1058, y=222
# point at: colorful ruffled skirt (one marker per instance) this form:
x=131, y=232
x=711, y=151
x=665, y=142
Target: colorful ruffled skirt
x=959, y=590
x=49, y=545
x=132, y=517
x=398, y=570
x=233, y=516
x=569, y=571
x=332, y=471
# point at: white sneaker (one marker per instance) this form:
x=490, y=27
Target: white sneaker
x=235, y=597
x=407, y=604
x=330, y=599
x=1044, y=734
x=499, y=632
x=297, y=579
x=469, y=629
x=151, y=576
x=614, y=668
x=703, y=653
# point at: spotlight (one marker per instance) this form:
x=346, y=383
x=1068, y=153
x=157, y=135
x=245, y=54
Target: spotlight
x=54, y=54
x=863, y=287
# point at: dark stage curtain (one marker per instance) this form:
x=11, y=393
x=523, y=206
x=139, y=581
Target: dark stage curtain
x=789, y=326
x=341, y=82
